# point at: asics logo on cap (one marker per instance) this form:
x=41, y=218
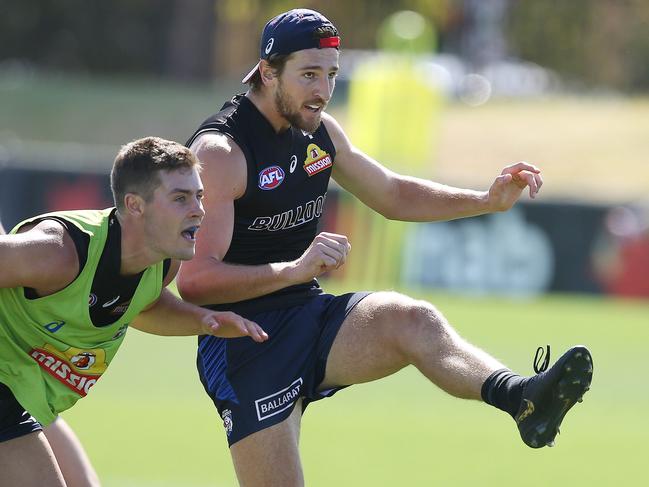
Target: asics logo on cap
x=269, y=46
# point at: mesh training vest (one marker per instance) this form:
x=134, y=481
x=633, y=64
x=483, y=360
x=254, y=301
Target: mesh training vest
x=50, y=352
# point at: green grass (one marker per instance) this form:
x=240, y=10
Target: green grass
x=148, y=422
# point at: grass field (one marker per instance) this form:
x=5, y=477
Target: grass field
x=148, y=422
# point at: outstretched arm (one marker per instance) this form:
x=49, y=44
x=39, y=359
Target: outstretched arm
x=170, y=316
x=406, y=198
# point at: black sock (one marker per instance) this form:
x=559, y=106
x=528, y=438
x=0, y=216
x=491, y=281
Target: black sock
x=504, y=390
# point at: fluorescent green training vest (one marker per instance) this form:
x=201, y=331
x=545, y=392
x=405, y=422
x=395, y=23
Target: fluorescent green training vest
x=50, y=352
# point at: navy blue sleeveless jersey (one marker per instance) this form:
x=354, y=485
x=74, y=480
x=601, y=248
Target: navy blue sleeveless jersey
x=288, y=173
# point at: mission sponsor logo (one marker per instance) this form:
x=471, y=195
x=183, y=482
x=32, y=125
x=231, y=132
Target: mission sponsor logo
x=76, y=369
x=291, y=218
x=270, y=178
x=278, y=401
x=316, y=160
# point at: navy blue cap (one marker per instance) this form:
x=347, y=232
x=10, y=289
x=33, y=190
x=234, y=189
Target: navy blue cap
x=293, y=31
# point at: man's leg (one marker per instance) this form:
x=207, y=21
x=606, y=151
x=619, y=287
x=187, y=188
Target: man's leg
x=387, y=331
x=28, y=461
x=270, y=457
x=71, y=456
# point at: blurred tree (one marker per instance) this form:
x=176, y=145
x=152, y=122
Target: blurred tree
x=600, y=42
x=191, y=39
x=594, y=42
x=240, y=23
x=181, y=38
x=237, y=36
x=116, y=36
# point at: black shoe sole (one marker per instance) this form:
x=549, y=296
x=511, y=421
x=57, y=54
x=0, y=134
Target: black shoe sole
x=540, y=425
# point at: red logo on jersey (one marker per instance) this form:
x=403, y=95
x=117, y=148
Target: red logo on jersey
x=76, y=369
x=270, y=178
x=316, y=160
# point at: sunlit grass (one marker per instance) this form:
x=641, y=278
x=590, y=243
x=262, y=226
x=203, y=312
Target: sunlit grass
x=149, y=423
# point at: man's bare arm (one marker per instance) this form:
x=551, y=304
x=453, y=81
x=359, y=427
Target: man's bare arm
x=407, y=198
x=170, y=316
x=42, y=257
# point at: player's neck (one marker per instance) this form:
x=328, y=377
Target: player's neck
x=136, y=254
x=266, y=106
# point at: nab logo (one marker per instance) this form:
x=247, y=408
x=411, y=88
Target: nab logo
x=271, y=177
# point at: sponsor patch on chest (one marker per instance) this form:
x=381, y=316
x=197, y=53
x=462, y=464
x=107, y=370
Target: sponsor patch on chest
x=76, y=369
x=316, y=160
x=270, y=178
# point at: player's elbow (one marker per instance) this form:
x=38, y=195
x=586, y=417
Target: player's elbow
x=204, y=281
x=390, y=213
x=189, y=287
x=387, y=210
x=389, y=203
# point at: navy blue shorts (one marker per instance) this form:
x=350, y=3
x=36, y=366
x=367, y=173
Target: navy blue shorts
x=14, y=420
x=256, y=385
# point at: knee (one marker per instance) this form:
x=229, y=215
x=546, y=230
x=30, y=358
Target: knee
x=427, y=321
x=417, y=322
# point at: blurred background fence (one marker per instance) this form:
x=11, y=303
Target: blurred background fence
x=451, y=90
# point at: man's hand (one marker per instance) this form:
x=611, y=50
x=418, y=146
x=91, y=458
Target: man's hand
x=507, y=187
x=327, y=252
x=226, y=324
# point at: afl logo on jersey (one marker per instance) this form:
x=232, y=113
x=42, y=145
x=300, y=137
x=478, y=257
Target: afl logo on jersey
x=270, y=178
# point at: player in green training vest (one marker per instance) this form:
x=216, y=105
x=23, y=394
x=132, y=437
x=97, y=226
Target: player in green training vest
x=71, y=283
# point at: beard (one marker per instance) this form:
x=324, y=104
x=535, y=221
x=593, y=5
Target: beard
x=294, y=117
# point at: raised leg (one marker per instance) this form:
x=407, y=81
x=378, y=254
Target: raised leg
x=387, y=331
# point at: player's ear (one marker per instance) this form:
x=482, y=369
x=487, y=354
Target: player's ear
x=133, y=204
x=267, y=73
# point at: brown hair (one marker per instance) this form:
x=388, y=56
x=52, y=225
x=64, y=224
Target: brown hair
x=136, y=167
x=277, y=62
